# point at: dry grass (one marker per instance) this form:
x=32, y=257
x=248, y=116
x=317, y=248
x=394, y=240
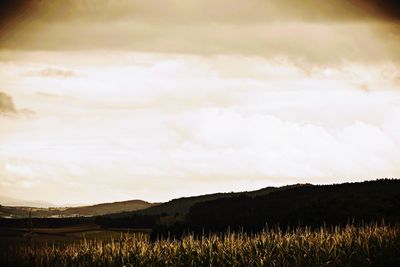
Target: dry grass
x=347, y=246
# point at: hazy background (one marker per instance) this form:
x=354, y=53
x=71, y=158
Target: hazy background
x=154, y=99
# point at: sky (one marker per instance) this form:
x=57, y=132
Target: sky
x=154, y=100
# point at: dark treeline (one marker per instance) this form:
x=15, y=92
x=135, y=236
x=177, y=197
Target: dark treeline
x=310, y=206
x=133, y=221
x=314, y=206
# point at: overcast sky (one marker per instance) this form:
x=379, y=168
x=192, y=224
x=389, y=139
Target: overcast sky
x=155, y=99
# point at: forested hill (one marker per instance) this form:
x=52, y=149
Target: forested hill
x=182, y=205
x=311, y=205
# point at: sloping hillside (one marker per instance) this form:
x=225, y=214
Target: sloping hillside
x=108, y=208
x=182, y=205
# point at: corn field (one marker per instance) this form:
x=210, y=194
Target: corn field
x=347, y=246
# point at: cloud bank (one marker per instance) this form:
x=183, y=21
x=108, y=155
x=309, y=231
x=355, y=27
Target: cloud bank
x=318, y=32
x=143, y=124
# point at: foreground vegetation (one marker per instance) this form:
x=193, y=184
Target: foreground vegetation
x=371, y=245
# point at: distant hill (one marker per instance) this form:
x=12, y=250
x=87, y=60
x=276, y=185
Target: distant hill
x=84, y=211
x=182, y=205
x=8, y=201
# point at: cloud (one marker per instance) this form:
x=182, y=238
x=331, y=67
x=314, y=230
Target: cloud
x=12, y=13
x=322, y=32
x=267, y=147
x=389, y=8
x=215, y=11
x=54, y=72
x=7, y=107
x=6, y=103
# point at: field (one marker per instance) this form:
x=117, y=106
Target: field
x=370, y=245
x=11, y=238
